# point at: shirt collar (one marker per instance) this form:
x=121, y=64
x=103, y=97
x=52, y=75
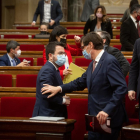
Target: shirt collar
x=133, y=19
x=53, y=65
x=10, y=57
x=97, y=59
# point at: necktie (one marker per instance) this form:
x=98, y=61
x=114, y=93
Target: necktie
x=138, y=27
x=94, y=63
x=13, y=61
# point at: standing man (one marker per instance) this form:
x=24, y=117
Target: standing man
x=88, y=9
x=49, y=73
x=124, y=64
x=134, y=75
x=49, y=11
x=130, y=29
x=106, y=86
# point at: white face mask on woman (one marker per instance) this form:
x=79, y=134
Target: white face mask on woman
x=99, y=15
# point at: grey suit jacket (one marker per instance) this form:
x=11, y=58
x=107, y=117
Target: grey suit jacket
x=88, y=9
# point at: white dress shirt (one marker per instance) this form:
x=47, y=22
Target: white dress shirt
x=134, y=20
x=10, y=59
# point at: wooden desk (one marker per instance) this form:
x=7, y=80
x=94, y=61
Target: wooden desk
x=131, y=132
x=25, y=129
x=31, y=92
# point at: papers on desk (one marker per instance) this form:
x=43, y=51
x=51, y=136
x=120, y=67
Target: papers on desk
x=76, y=73
x=44, y=118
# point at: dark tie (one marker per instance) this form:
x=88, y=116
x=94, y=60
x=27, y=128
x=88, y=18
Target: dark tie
x=13, y=61
x=94, y=63
x=138, y=27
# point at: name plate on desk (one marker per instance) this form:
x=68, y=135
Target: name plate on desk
x=44, y=118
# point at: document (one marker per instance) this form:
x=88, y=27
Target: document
x=44, y=118
x=76, y=72
x=92, y=124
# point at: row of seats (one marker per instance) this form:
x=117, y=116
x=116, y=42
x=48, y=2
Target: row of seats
x=22, y=80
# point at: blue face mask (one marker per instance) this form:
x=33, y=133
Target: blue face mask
x=61, y=59
x=86, y=55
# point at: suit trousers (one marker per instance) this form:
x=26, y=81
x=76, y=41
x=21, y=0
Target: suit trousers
x=98, y=136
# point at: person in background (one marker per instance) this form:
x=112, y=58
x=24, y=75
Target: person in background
x=124, y=64
x=100, y=22
x=126, y=14
x=49, y=11
x=49, y=73
x=59, y=33
x=11, y=58
x=88, y=9
x=130, y=30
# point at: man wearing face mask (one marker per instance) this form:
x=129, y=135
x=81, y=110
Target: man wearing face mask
x=50, y=13
x=49, y=74
x=130, y=29
x=11, y=58
x=106, y=86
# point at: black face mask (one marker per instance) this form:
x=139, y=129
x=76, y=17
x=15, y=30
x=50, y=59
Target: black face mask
x=63, y=40
x=43, y=32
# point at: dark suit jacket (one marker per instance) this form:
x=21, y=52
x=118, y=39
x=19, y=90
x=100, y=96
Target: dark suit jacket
x=128, y=35
x=105, y=26
x=4, y=60
x=106, y=87
x=53, y=106
x=124, y=64
x=56, y=13
x=134, y=73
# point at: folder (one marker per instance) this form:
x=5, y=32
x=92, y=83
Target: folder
x=76, y=73
x=92, y=124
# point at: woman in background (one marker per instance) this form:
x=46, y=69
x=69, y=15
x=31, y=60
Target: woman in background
x=99, y=22
x=59, y=33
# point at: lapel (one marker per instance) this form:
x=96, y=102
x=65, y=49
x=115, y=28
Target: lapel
x=93, y=75
x=133, y=26
x=89, y=73
x=42, y=8
x=52, y=3
x=16, y=61
x=9, y=63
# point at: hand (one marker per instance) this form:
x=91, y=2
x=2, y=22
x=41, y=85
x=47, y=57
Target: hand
x=50, y=89
x=52, y=22
x=131, y=95
x=77, y=39
x=67, y=102
x=33, y=23
x=22, y=64
x=101, y=117
x=67, y=71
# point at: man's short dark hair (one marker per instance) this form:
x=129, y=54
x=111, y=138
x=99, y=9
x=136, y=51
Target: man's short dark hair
x=44, y=24
x=95, y=39
x=50, y=48
x=57, y=31
x=105, y=35
x=11, y=45
x=135, y=7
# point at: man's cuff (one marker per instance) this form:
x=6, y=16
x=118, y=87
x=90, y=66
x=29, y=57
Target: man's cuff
x=34, y=22
x=131, y=90
x=61, y=89
x=64, y=100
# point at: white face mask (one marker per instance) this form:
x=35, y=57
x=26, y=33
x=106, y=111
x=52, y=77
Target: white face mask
x=18, y=53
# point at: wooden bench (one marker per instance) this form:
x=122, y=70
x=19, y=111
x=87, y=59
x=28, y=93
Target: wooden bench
x=31, y=92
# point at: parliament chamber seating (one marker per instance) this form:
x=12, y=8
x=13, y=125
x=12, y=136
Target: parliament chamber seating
x=26, y=27
x=26, y=80
x=16, y=36
x=82, y=62
x=28, y=59
x=117, y=36
x=75, y=28
x=40, y=62
x=129, y=60
x=5, y=80
x=117, y=46
x=23, y=107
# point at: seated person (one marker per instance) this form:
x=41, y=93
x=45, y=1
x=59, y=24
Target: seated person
x=43, y=32
x=99, y=22
x=11, y=58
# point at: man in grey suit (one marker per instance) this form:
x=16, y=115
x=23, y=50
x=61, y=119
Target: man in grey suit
x=88, y=9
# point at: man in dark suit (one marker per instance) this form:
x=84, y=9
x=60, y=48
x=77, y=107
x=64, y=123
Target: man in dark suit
x=11, y=58
x=129, y=31
x=49, y=74
x=50, y=12
x=124, y=64
x=106, y=86
x=134, y=74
